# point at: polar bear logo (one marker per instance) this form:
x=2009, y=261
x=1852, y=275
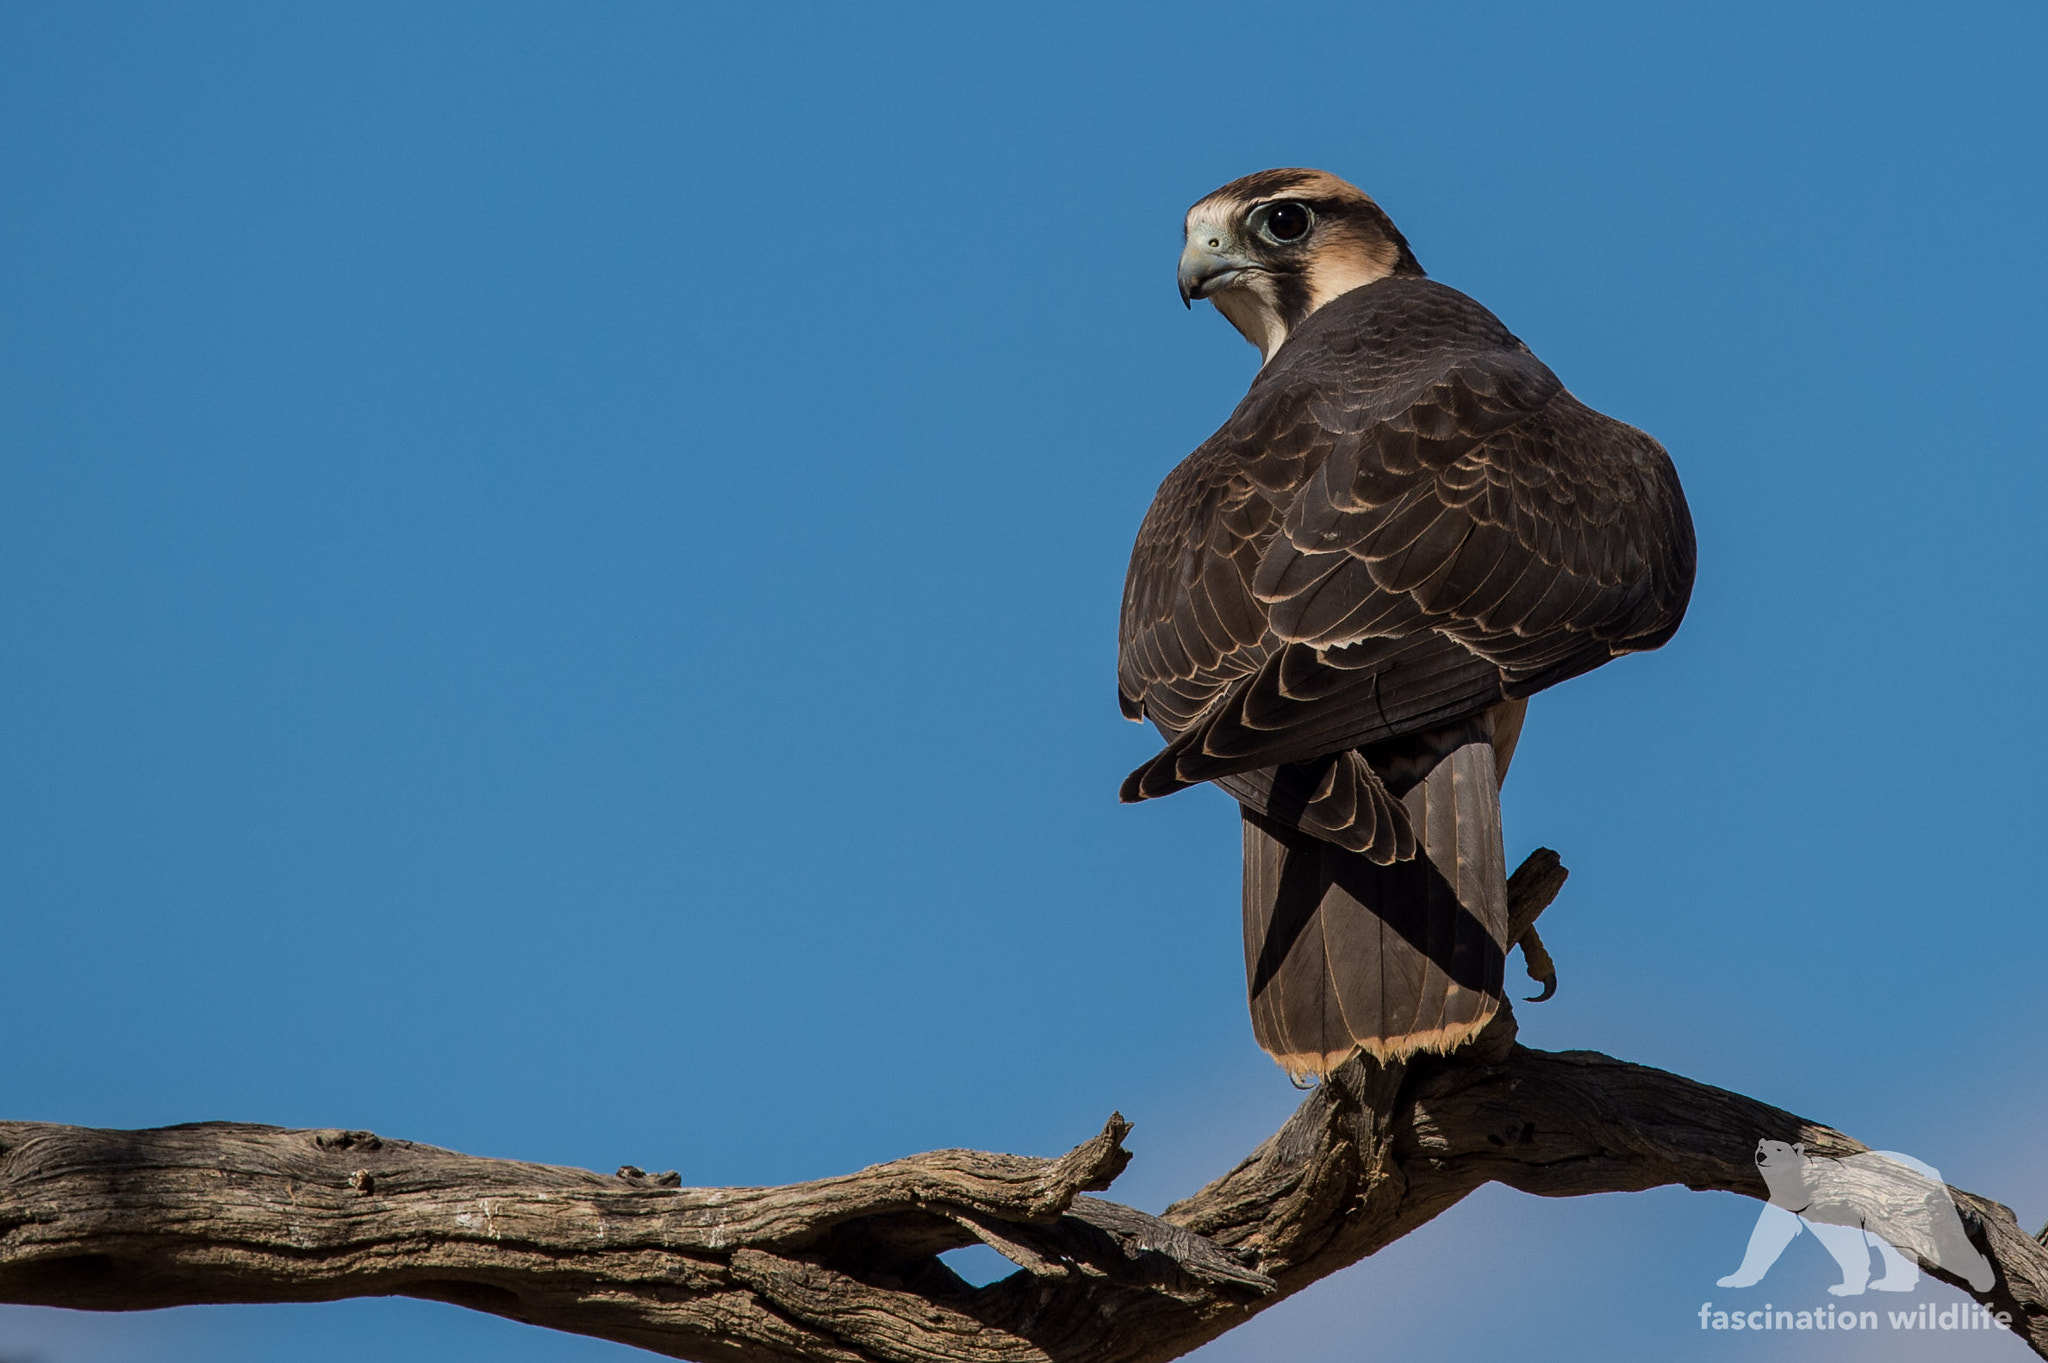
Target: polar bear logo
x=1878, y=1199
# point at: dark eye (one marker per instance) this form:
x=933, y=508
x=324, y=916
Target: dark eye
x=1287, y=222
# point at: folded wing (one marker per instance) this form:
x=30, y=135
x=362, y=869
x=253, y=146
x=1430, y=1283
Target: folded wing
x=1406, y=521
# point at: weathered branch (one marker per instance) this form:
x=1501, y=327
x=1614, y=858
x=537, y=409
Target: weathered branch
x=846, y=1268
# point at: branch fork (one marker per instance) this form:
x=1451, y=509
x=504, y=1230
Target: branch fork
x=847, y=1269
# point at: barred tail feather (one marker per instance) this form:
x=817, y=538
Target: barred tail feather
x=1343, y=955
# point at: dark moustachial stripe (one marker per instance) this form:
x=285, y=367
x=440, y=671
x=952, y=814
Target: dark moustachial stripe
x=1292, y=299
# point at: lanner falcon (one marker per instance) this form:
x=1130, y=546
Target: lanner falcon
x=1339, y=605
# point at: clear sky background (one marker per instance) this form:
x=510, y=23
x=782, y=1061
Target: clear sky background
x=559, y=568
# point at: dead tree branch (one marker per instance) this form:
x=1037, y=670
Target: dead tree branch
x=845, y=1269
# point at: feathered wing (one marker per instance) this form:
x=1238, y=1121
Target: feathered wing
x=1407, y=520
x=1405, y=523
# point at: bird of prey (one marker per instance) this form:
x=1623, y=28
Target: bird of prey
x=1339, y=605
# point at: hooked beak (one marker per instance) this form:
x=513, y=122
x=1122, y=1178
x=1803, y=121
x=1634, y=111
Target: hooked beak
x=1205, y=270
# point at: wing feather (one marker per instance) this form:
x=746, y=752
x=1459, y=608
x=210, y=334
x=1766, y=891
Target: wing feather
x=1406, y=520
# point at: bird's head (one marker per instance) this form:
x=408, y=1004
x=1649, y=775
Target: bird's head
x=1271, y=248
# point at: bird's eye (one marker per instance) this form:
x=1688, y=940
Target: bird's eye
x=1285, y=222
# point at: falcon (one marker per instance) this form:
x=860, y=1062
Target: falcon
x=1339, y=605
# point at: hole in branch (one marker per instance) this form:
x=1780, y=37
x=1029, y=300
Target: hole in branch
x=977, y=1265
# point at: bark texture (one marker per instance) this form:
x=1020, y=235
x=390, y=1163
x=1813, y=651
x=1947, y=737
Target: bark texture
x=845, y=1268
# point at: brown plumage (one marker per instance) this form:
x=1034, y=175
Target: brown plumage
x=1338, y=605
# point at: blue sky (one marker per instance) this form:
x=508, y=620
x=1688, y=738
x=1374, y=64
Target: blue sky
x=558, y=574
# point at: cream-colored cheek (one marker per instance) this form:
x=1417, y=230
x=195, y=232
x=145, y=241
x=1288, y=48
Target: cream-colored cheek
x=1336, y=277
x=1255, y=318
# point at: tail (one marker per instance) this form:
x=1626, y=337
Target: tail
x=1341, y=954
